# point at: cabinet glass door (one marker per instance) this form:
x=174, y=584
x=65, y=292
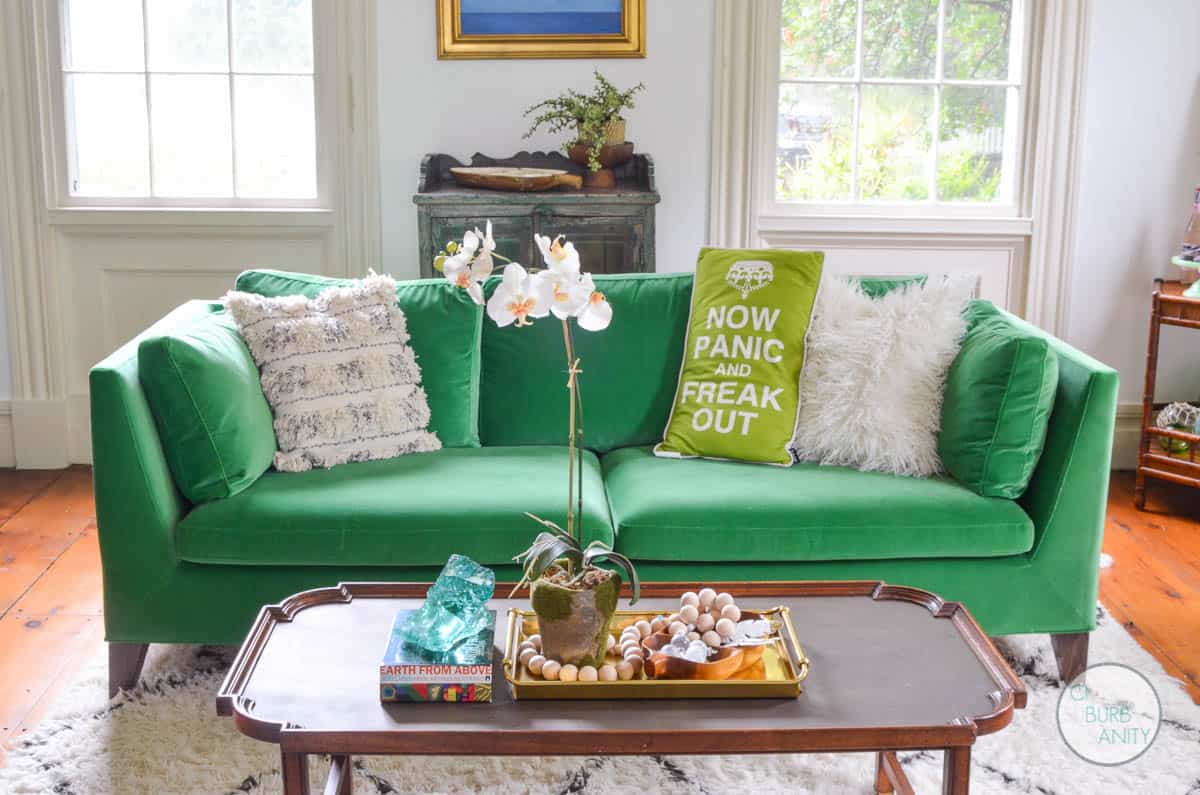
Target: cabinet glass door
x=606, y=244
x=513, y=235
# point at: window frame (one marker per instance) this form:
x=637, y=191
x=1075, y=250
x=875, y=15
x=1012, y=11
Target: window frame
x=774, y=212
x=325, y=128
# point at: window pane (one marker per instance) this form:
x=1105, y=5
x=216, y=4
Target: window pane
x=190, y=124
x=818, y=38
x=815, y=142
x=108, y=122
x=971, y=143
x=276, y=146
x=900, y=38
x=102, y=36
x=272, y=36
x=975, y=42
x=894, y=142
x=187, y=35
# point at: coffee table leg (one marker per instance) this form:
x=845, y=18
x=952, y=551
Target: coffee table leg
x=889, y=776
x=956, y=771
x=341, y=774
x=294, y=768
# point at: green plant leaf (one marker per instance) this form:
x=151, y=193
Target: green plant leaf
x=598, y=550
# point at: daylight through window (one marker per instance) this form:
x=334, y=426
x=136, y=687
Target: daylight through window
x=914, y=101
x=189, y=99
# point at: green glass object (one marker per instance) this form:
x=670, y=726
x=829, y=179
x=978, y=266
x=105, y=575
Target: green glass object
x=455, y=606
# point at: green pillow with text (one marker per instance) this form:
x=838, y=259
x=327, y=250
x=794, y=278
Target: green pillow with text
x=739, y=384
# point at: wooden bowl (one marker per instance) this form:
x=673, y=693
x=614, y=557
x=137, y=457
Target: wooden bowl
x=729, y=661
x=610, y=154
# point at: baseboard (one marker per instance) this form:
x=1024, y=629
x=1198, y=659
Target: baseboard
x=8, y=455
x=1127, y=436
x=79, y=425
x=40, y=433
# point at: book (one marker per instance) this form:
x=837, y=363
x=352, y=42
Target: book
x=464, y=673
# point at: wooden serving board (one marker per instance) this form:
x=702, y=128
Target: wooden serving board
x=514, y=179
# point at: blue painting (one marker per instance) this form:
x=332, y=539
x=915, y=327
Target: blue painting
x=540, y=17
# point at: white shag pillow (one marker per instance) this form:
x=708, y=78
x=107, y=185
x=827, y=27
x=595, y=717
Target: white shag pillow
x=342, y=381
x=874, y=371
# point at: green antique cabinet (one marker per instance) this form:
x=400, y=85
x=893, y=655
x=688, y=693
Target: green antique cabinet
x=613, y=228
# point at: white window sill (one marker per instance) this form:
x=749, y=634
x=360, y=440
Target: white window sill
x=896, y=225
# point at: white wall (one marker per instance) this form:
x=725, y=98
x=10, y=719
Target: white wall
x=1140, y=164
x=461, y=107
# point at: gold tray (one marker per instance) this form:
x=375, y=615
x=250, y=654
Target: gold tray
x=783, y=667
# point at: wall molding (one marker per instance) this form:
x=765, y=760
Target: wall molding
x=8, y=456
x=1127, y=436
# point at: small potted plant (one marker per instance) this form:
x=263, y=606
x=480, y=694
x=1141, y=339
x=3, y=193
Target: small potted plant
x=574, y=599
x=599, y=142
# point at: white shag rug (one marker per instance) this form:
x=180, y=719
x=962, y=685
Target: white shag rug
x=166, y=738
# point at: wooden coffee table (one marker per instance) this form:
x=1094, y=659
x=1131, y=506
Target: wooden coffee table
x=892, y=669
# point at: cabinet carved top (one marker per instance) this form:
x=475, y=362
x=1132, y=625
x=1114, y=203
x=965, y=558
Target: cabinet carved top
x=635, y=181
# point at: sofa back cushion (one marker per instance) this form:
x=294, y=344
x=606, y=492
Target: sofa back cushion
x=997, y=403
x=444, y=326
x=212, y=418
x=629, y=369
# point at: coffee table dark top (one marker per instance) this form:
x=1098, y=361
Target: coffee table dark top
x=891, y=668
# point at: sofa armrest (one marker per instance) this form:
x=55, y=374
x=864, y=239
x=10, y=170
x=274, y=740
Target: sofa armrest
x=1067, y=497
x=137, y=502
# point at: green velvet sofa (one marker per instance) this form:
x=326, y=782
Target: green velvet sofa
x=181, y=573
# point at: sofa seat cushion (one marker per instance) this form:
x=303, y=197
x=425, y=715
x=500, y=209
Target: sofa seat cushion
x=696, y=510
x=414, y=510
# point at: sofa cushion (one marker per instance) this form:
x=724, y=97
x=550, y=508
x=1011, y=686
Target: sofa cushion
x=212, y=418
x=997, y=404
x=444, y=325
x=725, y=511
x=409, y=511
x=629, y=369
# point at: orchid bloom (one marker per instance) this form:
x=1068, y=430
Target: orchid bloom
x=467, y=269
x=562, y=260
x=519, y=297
x=483, y=262
x=596, y=313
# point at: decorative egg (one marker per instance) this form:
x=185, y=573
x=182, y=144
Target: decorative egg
x=690, y=598
x=526, y=655
x=707, y=595
x=588, y=674
x=726, y=628
x=624, y=670
x=568, y=673
x=688, y=614
x=636, y=662
x=633, y=654
x=635, y=648
x=536, y=640
x=607, y=673
x=693, y=636
x=658, y=624
x=711, y=638
x=536, y=663
x=525, y=645
x=705, y=622
x=643, y=627
x=732, y=612
x=722, y=600
x=671, y=619
x=551, y=669
x=676, y=627
x=631, y=631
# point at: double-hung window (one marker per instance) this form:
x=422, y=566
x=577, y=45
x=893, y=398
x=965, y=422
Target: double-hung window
x=187, y=102
x=900, y=106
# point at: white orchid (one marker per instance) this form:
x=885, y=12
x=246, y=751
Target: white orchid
x=468, y=276
x=469, y=264
x=596, y=313
x=562, y=260
x=483, y=261
x=519, y=297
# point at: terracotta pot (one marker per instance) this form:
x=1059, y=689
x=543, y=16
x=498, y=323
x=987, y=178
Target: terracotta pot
x=610, y=156
x=574, y=623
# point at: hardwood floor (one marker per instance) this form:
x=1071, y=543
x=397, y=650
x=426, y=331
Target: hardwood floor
x=51, y=608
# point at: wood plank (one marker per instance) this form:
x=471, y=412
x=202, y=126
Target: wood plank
x=19, y=486
x=72, y=585
x=37, y=649
x=41, y=531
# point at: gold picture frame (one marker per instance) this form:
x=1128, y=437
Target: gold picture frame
x=454, y=44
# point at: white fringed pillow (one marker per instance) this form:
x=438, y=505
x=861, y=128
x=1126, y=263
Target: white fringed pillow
x=871, y=393
x=342, y=381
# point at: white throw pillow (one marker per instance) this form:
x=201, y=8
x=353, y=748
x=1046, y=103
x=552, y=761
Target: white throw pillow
x=342, y=381
x=871, y=392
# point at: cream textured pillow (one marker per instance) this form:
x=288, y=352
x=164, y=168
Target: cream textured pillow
x=342, y=381
x=871, y=393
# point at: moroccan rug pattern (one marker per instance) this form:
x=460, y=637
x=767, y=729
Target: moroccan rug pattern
x=166, y=738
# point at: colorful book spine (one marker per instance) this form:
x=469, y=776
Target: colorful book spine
x=422, y=692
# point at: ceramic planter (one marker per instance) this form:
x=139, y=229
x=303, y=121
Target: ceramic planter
x=574, y=622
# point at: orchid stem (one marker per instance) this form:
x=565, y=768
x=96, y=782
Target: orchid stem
x=571, y=387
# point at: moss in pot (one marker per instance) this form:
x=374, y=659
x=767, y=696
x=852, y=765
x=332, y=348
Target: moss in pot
x=574, y=600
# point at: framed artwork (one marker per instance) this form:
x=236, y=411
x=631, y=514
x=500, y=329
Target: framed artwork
x=541, y=28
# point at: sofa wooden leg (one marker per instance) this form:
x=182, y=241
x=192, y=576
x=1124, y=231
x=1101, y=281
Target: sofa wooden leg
x=1071, y=652
x=125, y=665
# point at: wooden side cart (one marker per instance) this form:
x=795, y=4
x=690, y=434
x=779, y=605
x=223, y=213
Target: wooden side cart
x=1170, y=307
